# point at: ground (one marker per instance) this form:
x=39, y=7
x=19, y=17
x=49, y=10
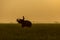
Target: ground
x=36, y=32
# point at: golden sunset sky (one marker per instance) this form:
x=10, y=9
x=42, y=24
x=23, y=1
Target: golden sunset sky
x=39, y=11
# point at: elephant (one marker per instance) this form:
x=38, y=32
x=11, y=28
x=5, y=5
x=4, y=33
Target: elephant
x=24, y=23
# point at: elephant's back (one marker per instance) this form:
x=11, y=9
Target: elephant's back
x=28, y=23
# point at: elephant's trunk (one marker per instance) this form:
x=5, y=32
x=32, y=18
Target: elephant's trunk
x=18, y=20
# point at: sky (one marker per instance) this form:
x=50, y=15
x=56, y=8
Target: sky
x=37, y=11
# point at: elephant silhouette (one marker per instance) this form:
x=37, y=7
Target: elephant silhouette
x=24, y=23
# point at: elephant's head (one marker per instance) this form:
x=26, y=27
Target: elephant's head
x=20, y=20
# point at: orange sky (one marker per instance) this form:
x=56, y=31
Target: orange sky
x=33, y=10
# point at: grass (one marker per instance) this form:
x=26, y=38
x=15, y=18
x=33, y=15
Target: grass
x=36, y=32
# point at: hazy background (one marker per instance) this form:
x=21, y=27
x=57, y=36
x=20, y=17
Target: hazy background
x=43, y=11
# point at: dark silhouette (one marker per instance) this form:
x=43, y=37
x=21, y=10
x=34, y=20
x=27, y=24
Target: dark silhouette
x=24, y=23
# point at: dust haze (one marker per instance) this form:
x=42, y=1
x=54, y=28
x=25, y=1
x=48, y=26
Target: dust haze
x=34, y=10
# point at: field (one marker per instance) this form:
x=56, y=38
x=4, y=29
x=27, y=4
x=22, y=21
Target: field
x=36, y=32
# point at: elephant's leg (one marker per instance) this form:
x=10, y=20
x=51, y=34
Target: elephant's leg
x=22, y=26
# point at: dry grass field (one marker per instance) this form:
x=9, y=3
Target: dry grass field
x=36, y=32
